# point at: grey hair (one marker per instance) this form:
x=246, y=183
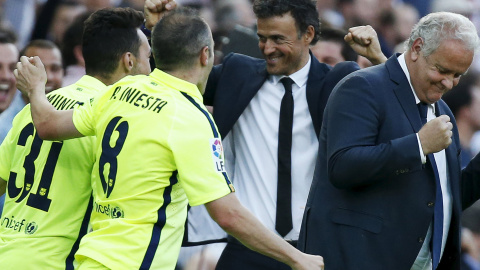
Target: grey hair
x=440, y=26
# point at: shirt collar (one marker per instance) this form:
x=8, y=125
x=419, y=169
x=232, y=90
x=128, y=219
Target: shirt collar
x=403, y=65
x=176, y=83
x=90, y=82
x=299, y=78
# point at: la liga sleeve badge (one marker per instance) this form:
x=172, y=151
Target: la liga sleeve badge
x=217, y=155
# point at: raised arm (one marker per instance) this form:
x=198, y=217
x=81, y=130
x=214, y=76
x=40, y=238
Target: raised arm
x=50, y=123
x=241, y=224
x=364, y=41
x=155, y=9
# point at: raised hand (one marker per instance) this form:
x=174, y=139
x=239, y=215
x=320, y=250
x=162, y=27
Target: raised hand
x=31, y=76
x=364, y=41
x=154, y=10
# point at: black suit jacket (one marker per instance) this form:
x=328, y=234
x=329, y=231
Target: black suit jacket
x=230, y=88
x=370, y=204
x=235, y=82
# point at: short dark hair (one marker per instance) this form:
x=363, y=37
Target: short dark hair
x=107, y=35
x=7, y=35
x=39, y=43
x=337, y=35
x=178, y=38
x=460, y=95
x=73, y=37
x=304, y=12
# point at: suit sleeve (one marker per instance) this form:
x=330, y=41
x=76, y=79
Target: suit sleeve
x=210, y=89
x=340, y=71
x=355, y=116
x=212, y=82
x=470, y=185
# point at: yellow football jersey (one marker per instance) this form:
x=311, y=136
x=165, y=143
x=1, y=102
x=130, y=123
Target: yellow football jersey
x=158, y=149
x=48, y=188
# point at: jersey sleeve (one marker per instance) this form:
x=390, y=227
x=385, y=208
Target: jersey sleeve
x=198, y=154
x=83, y=117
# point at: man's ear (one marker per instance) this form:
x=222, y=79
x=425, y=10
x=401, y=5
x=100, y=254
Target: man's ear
x=309, y=34
x=416, y=49
x=128, y=60
x=205, y=56
x=77, y=52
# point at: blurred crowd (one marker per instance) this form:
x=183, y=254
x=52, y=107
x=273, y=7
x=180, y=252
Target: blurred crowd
x=52, y=30
x=233, y=24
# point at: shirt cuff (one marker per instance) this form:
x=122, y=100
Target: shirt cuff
x=422, y=155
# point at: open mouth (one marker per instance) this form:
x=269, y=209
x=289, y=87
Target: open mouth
x=4, y=88
x=272, y=59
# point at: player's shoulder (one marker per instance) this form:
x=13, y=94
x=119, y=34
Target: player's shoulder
x=131, y=79
x=82, y=90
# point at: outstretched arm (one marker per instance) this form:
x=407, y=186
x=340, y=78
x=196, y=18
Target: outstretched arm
x=364, y=41
x=50, y=123
x=241, y=224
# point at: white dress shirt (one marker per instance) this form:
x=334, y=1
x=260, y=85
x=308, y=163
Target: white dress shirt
x=424, y=259
x=251, y=151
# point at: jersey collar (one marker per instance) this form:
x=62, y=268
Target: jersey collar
x=176, y=83
x=90, y=82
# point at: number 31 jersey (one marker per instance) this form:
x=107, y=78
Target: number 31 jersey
x=48, y=188
x=157, y=150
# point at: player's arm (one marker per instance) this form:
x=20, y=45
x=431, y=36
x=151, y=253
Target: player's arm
x=3, y=186
x=364, y=41
x=241, y=224
x=50, y=123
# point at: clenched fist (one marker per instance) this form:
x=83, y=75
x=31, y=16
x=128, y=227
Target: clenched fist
x=436, y=135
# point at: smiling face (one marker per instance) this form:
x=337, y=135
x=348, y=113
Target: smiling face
x=436, y=74
x=8, y=61
x=285, y=50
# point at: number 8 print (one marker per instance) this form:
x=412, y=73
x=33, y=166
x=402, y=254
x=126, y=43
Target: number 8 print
x=109, y=154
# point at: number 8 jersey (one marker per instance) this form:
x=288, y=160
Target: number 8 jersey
x=158, y=149
x=48, y=188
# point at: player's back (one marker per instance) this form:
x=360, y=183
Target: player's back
x=153, y=146
x=48, y=196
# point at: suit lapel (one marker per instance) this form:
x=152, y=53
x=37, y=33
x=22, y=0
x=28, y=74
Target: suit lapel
x=404, y=93
x=314, y=91
x=251, y=86
x=245, y=91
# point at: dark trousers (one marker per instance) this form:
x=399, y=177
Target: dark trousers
x=236, y=256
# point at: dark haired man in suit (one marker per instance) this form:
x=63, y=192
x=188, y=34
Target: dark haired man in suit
x=271, y=161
